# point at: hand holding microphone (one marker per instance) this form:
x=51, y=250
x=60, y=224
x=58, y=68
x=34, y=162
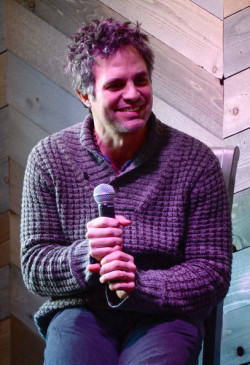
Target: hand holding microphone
x=116, y=267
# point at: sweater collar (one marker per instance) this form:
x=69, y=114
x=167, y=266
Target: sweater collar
x=155, y=135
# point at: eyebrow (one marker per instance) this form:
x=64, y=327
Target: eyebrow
x=117, y=79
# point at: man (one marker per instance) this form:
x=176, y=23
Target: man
x=164, y=261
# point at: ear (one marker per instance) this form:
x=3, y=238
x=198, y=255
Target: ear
x=85, y=99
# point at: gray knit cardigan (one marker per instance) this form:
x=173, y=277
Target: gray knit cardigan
x=180, y=236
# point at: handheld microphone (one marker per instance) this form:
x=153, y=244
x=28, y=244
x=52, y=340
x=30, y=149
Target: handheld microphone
x=104, y=195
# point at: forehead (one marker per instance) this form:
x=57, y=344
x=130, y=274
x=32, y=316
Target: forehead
x=125, y=61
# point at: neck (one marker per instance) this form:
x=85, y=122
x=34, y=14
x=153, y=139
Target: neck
x=121, y=148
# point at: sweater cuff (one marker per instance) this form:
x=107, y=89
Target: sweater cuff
x=79, y=262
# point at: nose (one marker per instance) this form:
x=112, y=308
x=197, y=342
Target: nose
x=131, y=92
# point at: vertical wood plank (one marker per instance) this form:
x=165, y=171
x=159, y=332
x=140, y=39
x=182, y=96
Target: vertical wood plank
x=15, y=239
x=26, y=346
x=5, y=342
x=4, y=227
x=237, y=312
x=3, y=45
x=240, y=219
x=4, y=185
x=237, y=42
x=3, y=79
x=16, y=186
x=242, y=139
x=237, y=103
x=4, y=290
x=4, y=253
x=3, y=133
x=23, y=303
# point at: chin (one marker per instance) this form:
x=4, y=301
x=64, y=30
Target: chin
x=131, y=126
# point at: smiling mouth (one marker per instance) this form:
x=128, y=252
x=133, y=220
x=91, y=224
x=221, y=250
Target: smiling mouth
x=130, y=109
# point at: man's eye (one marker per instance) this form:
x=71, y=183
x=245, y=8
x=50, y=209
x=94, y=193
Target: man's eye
x=115, y=86
x=141, y=81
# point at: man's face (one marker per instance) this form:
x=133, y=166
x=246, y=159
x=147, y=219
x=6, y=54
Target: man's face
x=123, y=93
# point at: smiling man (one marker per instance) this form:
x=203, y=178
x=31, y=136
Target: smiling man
x=121, y=105
x=134, y=289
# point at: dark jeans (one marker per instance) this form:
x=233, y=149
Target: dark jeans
x=99, y=337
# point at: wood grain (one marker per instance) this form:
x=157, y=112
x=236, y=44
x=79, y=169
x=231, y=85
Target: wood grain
x=240, y=219
x=214, y=7
x=67, y=16
x=15, y=239
x=178, y=81
x=3, y=45
x=238, y=295
x=4, y=185
x=27, y=347
x=182, y=25
x=232, y=6
x=3, y=133
x=187, y=88
x=37, y=43
x=4, y=253
x=4, y=227
x=237, y=311
x=3, y=79
x=236, y=335
x=5, y=342
x=23, y=304
x=40, y=99
x=4, y=290
x=237, y=42
x=16, y=186
x=23, y=136
x=237, y=103
x=243, y=170
x=176, y=119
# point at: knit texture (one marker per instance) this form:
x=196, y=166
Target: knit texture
x=180, y=236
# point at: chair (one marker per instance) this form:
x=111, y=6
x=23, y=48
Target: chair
x=228, y=157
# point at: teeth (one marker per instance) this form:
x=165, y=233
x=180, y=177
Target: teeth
x=130, y=109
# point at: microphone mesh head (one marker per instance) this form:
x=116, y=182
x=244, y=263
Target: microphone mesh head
x=104, y=193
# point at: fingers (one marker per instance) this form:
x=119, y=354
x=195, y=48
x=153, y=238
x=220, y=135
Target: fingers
x=118, y=269
x=105, y=235
x=102, y=222
x=94, y=268
x=99, y=252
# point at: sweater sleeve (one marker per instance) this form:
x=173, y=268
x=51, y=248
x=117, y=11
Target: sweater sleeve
x=201, y=280
x=51, y=265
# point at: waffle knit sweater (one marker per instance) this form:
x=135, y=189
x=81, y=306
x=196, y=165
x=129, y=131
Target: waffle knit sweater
x=180, y=236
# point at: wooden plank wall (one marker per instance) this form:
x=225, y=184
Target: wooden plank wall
x=4, y=198
x=201, y=86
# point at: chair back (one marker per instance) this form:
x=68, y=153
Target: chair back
x=228, y=158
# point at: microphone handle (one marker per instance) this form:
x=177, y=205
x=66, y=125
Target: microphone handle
x=106, y=210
